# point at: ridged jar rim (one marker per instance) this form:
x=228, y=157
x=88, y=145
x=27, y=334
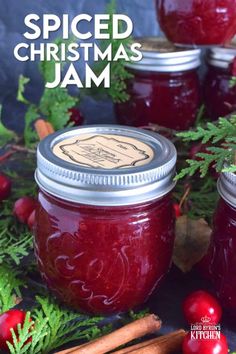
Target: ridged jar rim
x=221, y=57
x=102, y=186
x=227, y=187
x=160, y=55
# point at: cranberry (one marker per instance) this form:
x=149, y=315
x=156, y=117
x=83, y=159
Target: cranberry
x=205, y=346
x=8, y=320
x=31, y=220
x=5, y=187
x=177, y=210
x=75, y=117
x=201, y=304
x=24, y=207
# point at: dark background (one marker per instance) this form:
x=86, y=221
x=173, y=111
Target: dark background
x=12, y=14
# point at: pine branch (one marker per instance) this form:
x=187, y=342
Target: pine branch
x=12, y=248
x=213, y=132
x=15, y=239
x=21, y=339
x=53, y=326
x=221, y=140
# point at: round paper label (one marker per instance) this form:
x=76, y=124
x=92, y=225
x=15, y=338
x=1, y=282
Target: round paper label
x=104, y=151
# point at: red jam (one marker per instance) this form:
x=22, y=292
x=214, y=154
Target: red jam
x=219, y=86
x=103, y=259
x=201, y=22
x=220, y=93
x=104, y=228
x=168, y=99
x=221, y=257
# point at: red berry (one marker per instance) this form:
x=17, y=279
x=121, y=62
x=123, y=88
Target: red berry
x=177, y=210
x=205, y=346
x=76, y=117
x=8, y=320
x=31, y=220
x=5, y=187
x=201, y=304
x=23, y=208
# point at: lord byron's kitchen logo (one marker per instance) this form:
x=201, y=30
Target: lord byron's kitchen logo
x=205, y=330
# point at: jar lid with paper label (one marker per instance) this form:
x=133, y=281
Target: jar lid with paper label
x=106, y=165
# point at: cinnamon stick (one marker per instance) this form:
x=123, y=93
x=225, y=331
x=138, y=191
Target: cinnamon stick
x=50, y=128
x=168, y=344
x=43, y=128
x=126, y=334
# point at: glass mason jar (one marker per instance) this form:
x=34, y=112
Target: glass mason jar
x=221, y=258
x=164, y=89
x=197, y=22
x=219, y=90
x=105, y=223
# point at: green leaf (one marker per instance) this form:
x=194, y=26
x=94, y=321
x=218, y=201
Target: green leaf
x=232, y=82
x=22, y=82
x=5, y=134
x=30, y=135
x=55, y=105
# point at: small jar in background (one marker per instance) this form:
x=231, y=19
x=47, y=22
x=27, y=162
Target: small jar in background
x=165, y=87
x=222, y=252
x=219, y=88
x=197, y=22
x=105, y=222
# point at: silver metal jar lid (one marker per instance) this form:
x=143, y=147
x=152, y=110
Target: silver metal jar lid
x=222, y=57
x=106, y=165
x=159, y=55
x=227, y=187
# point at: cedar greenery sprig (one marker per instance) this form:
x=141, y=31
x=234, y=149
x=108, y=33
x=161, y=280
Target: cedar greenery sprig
x=52, y=326
x=12, y=248
x=16, y=241
x=9, y=287
x=201, y=200
x=221, y=137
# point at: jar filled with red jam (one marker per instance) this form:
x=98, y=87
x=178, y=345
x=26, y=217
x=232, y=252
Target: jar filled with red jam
x=219, y=88
x=105, y=223
x=164, y=89
x=197, y=22
x=222, y=254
